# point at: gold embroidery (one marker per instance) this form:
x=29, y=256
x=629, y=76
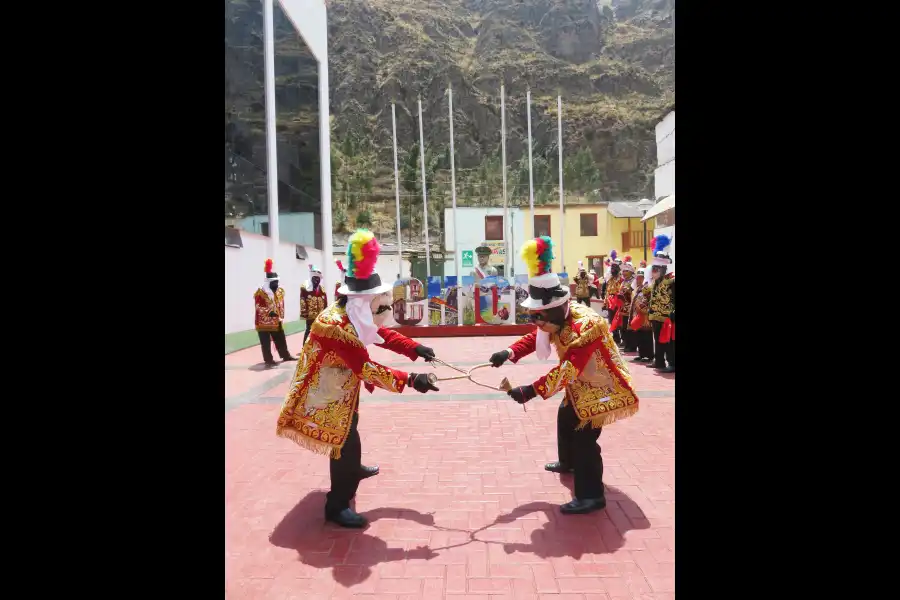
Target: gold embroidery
x=382, y=377
x=333, y=323
x=661, y=300
x=558, y=378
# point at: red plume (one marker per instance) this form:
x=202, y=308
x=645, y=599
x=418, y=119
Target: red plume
x=653, y=244
x=340, y=266
x=627, y=258
x=268, y=265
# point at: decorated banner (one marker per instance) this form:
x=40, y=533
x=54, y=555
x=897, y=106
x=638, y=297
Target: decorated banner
x=409, y=302
x=491, y=301
x=521, y=293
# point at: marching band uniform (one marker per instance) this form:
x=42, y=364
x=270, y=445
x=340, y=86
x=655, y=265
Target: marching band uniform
x=662, y=305
x=313, y=299
x=625, y=296
x=640, y=307
x=320, y=411
x=596, y=382
x=613, y=290
x=269, y=319
x=582, y=286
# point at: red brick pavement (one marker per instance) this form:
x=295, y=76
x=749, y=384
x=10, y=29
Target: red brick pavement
x=462, y=507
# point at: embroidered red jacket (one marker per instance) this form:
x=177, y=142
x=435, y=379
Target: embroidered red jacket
x=591, y=371
x=312, y=303
x=318, y=410
x=265, y=305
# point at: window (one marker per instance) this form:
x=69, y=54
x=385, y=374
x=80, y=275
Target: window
x=541, y=225
x=493, y=228
x=233, y=237
x=265, y=228
x=589, y=225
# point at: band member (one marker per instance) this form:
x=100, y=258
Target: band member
x=662, y=304
x=313, y=299
x=596, y=381
x=639, y=321
x=320, y=411
x=582, y=285
x=613, y=289
x=626, y=292
x=595, y=284
x=269, y=303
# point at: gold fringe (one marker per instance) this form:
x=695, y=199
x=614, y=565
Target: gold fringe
x=308, y=443
x=609, y=418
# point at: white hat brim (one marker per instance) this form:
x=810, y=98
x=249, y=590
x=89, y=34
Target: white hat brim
x=384, y=287
x=532, y=304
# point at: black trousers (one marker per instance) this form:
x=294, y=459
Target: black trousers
x=345, y=473
x=585, y=301
x=644, y=339
x=280, y=344
x=628, y=338
x=662, y=352
x=308, y=327
x=579, y=449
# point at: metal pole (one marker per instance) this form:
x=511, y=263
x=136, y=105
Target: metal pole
x=271, y=140
x=562, y=261
x=456, y=260
x=530, y=174
x=645, y=238
x=424, y=191
x=397, y=190
x=503, y=153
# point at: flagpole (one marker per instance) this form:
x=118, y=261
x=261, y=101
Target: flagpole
x=397, y=191
x=271, y=116
x=530, y=175
x=503, y=152
x=424, y=191
x=562, y=261
x=456, y=260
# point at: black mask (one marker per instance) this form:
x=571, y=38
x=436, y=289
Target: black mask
x=315, y=282
x=273, y=285
x=615, y=270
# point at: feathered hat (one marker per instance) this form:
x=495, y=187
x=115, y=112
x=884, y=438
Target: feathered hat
x=341, y=268
x=626, y=265
x=314, y=271
x=360, y=276
x=270, y=274
x=660, y=256
x=643, y=263
x=614, y=256
x=544, y=288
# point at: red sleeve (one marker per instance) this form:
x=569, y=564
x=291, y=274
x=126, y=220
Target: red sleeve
x=370, y=372
x=398, y=343
x=569, y=368
x=524, y=346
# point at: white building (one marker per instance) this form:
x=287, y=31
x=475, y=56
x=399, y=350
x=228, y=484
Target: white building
x=298, y=228
x=245, y=252
x=664, y=177
x=479, y=225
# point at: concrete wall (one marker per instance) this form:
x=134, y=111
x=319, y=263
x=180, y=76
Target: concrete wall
x=244, y=274
x=471, y=234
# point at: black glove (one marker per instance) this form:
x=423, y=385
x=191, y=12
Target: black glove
x=498, y=358
x=420, y=382
x=425, y=352
x=272, y=314
x=522, y=394
x=672, y=316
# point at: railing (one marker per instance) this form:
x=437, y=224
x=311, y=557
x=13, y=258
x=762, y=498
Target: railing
x=634, y=240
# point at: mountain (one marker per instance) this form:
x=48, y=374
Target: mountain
x=612, y=62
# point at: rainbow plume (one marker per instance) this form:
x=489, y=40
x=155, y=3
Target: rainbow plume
x=362, y=254
x=538, y=255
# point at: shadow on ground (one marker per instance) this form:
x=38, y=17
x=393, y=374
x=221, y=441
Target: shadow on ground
x=351, y=554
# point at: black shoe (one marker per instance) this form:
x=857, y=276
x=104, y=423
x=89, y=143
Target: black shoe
x=271, y=365
x=659, y=367
x=558, y=467
x=366, y=472
x=348, y=518
x=639, y=359
x=580, y=507
x=288, y=358
x=667, y=370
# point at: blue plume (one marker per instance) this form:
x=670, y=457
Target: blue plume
x=662, y=242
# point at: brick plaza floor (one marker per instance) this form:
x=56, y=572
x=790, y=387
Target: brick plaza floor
x=462, y=508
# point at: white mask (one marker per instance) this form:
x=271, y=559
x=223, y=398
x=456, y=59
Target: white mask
x=380, y=301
